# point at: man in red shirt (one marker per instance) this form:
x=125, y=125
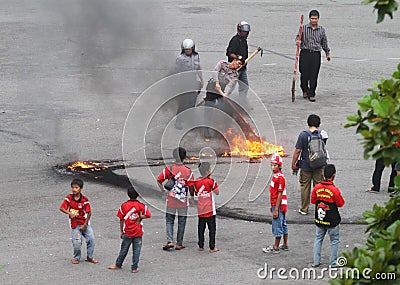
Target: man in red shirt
x=327, y=198
x=278, y=201
x=77, y=207
x=205, y=188
x=130, y=214
x=182, y=173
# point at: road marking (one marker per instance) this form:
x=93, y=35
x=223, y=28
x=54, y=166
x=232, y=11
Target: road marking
x=364, y=59
x=269, y=64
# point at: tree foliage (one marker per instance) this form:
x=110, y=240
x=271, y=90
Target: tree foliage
x=378, y=120
x=384, y=7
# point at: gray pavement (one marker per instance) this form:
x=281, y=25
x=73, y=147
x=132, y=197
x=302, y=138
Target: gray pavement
x=70, y=72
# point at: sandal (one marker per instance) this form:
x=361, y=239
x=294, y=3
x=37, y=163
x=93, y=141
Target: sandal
x=179, y=247
x=271, y=249
x=371, y=191
x=284, y=247
x=214, y=250
x=168, y=246
x=75, y=261
x=200, y=249
x=113, y=267
x=91, y=260
x=135, y=270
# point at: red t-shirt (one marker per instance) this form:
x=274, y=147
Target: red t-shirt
x=80, y=208
x=181, y=172
x=130, y=212
x=204, y=189
x=278, y=184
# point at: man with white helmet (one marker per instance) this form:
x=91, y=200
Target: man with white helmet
x=188, y=64
x=238, y=49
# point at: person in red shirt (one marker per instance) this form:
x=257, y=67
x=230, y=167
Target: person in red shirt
x=130, y=214
x=77, y=207
x=181, y=173
x=205, y=188
x=278, y=201
x=327, y=198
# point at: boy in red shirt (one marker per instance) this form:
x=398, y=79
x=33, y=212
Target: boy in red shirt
x=327, y=198
x=205, y=188
x=182, y=173
x=130, y=214
x=278, y=200
x=77, y=206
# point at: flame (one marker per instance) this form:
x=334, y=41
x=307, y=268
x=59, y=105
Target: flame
x=240, y=146
x=87, y=165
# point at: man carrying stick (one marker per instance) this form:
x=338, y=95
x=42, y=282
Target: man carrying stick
x=313, y=40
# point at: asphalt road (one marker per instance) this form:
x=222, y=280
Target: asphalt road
x=72, y=70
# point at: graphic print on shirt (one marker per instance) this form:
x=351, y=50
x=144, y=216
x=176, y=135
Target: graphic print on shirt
x=321, y=210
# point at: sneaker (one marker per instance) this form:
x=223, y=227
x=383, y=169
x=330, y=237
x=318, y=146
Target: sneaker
x=315, y=265
x=271, y=249
x=394, y=194
x=284, y=247
x=302, y=213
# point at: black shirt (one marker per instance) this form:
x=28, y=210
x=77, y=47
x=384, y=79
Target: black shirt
x=238, y=45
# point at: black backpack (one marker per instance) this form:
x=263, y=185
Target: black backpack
x=316, y=150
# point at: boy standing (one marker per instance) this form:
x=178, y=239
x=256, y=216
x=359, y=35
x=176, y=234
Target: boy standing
x=77, y=206
x=182, y=173
x=130, y=214
x=205, y=188
x=327, y=198
x=278, y=200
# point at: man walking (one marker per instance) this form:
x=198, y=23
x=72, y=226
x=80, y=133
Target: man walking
x=308, y=171
x=313, y=40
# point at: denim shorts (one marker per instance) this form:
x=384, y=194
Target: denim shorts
x=279, y=227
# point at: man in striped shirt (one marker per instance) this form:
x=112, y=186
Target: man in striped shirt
x=313, y=40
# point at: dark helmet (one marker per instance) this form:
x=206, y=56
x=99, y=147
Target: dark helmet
x=243, y=26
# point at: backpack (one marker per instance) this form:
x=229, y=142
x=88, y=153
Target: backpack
x=177, y=188
x=316, y=150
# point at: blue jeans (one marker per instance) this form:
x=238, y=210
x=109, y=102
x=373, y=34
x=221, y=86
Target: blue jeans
x=243, y=83
x=136, y=247
x=77, y=241
x=279, y=226
x=170, y=219
x=319, y=238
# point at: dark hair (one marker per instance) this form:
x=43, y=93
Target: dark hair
x=313, y=13
x=329, y=170
x=313, y=120
x=77, y=181
x=132, y=193
x=204, y=167
x=179, y=154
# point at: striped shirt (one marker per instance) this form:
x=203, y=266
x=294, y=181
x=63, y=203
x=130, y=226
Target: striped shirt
x=278, y=184
x=314, y=39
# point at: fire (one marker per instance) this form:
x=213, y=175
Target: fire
x=257, y=148
x=87, y=165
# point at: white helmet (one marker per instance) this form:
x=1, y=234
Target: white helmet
x=187, y=44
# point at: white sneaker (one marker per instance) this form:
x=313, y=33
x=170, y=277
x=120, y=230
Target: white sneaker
x=302, y=213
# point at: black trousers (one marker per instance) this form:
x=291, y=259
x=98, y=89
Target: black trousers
x=309, y=65
x=212, y=229
x=376, y=177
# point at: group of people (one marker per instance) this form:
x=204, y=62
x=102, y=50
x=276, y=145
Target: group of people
x=310, y=156
x=132, y=212
x=234, y=70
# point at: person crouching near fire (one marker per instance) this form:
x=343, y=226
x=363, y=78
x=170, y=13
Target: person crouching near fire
x=327, y=198
x=278, y=200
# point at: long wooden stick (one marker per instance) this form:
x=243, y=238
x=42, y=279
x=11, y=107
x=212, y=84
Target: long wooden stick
x=250, y=57
x=297, y=59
